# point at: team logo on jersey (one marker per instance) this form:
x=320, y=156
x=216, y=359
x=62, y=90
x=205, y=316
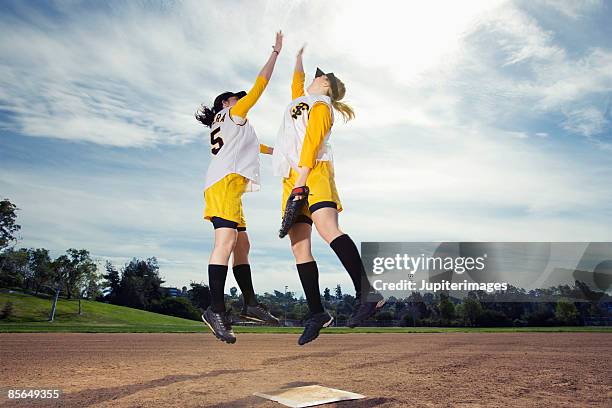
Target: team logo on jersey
x=298, y=109
x=220, y=117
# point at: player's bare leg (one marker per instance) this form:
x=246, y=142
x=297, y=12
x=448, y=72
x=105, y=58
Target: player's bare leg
x=251, y=310
x=225, y=241
x=300, y=235
x=241, y=249
x=326, y=222
x=367, y=300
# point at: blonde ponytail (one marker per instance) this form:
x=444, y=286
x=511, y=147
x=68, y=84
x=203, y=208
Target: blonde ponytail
x=345, y=110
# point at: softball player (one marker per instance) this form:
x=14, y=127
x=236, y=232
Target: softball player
x=303, y=157
x=233, y=170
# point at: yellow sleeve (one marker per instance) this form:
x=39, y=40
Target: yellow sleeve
x=319, y=123
x=264, y=148
x=297, y=86
x=241, y=108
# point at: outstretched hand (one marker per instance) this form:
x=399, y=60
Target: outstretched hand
x=278, y=45
x=301, y=51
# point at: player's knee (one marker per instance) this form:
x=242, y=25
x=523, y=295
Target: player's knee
x=243, y=245
x=226, y=244
x=301, y=249
x=241, y=253
x=245, y=248
x=328, y=232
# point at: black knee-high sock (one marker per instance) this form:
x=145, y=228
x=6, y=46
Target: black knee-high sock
x=347, y=252
x=216, y=283
x=242, y=273
x=309, y=276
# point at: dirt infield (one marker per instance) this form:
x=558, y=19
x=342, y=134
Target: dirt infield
x=393, y=370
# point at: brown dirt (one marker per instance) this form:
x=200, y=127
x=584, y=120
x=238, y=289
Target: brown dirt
x=393, y=370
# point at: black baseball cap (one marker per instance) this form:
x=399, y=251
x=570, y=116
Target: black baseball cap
x=332, y=81
x=218, y=104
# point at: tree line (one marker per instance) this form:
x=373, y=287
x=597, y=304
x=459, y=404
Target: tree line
x=562, y=305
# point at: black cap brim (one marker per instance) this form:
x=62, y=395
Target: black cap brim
x=218, y=104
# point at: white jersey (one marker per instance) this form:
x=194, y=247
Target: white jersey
x=235, y=149
x=290, y=139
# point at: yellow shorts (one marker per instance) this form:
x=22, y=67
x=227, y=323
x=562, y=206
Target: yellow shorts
x=321, y=183
x=224, y=199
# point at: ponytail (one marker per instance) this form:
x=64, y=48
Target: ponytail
x=205, y=115
x=345, y=110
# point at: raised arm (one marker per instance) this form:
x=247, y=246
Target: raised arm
x=297, y=85
x=267, y=69
x=242, y=107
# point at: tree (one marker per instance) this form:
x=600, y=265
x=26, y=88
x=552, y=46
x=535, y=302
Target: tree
x=199, y=295
x=14, y=267
x=447, y=308
x=40, y=268
x=79, y=267
x=112, y=280
x=327, y=294
x=89, y=285
x=540, y=313
x=338, y=292
x=471, y=310
x=565, y=312
x=417, y=307
x=140, y=285
x=400, y=306
x=384, y=316
x=8, y=226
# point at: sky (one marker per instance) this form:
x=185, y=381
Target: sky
x=475, y=121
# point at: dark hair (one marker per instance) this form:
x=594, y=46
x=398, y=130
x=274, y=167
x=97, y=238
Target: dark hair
x=205, y=115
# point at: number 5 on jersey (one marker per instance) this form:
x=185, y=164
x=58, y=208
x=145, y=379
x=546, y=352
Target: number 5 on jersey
x=216, y=142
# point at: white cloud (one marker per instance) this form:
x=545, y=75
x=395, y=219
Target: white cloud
x=512, y=71
x=128, y=76
x=573, y=9
x=587, y=121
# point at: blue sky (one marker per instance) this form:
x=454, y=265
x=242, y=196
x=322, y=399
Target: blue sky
x=482, y=121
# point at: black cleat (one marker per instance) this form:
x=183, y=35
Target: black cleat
x=258, y=313
x=313, y=326
x=219, y=325
x=364, y=310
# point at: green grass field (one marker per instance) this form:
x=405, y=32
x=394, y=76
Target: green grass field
x=30, y=315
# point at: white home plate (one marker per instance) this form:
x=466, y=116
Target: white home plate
x=308, y=396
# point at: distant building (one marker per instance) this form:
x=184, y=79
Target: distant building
x=171, y=292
